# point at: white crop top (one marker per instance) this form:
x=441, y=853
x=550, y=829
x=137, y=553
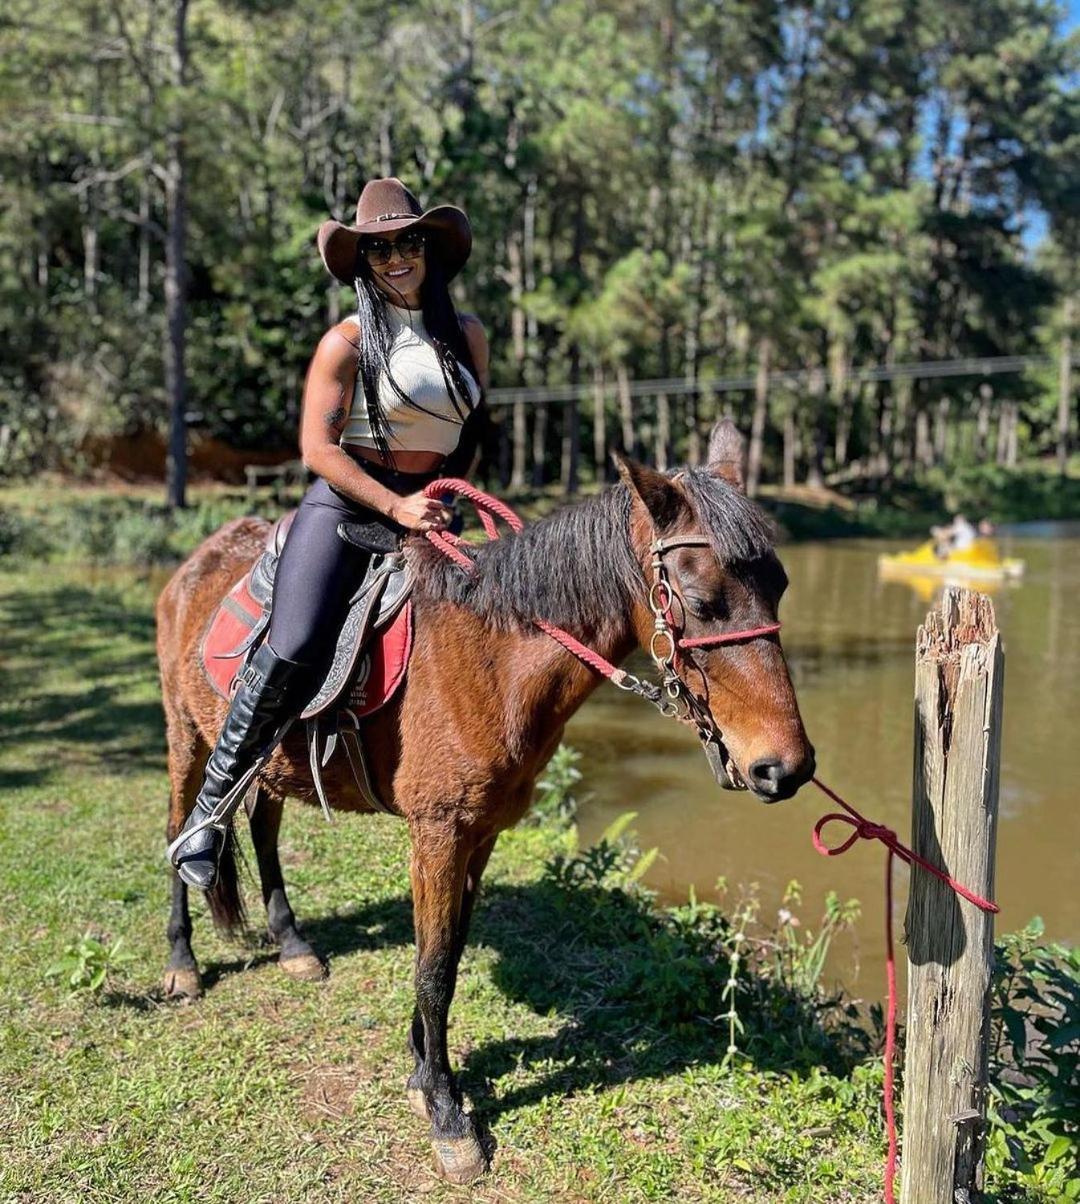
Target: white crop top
x=435, y=427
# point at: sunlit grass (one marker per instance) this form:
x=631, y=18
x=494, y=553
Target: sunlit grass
x=270, y=1089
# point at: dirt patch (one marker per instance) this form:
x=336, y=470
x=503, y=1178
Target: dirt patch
x=328, y=1091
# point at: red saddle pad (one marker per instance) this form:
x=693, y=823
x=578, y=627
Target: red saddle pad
x=379, y=672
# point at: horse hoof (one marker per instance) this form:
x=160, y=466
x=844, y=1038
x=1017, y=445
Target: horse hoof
x=418, y=1102
x=183, y=984
x=460, y=1160
x=305, y=968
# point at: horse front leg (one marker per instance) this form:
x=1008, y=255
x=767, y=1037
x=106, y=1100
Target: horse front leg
x=441, y=855
x=473, y=873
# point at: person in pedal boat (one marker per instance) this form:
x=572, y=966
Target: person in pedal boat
x=392, y=401
x=958, y=536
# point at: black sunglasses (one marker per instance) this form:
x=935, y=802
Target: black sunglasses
x=379, y=250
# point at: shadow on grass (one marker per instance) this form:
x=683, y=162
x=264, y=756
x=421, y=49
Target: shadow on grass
x=97, y=636
x=635, y=991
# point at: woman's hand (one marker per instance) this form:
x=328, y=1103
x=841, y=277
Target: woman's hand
x=415, y=512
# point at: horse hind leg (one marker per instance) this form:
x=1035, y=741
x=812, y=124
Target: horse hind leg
x=297, y=958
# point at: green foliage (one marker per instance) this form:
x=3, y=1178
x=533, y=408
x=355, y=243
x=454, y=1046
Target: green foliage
x=1004, y=495
x=681, y=961
x=109, y=529
x=838, y=185
x=555, y=802
x=87, y=963
x=1033, y=1149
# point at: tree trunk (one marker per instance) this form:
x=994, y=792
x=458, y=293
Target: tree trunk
x=663, y=432
x=626, y=410
x=941, y=430
x=815, y=470
x=982, y=423
x=142, y=303
x=599, y=426
x=571, y=443
x=1064, y=414
x=175, y=270
x=516, y=277
x=838, y=387
x=693, y=429
x=759, y=418
x=790, y=448
x=539, y=443
x=882, y=461
x=1004, y=420
x=901, y=434
x=924, y=449
x=520, y=447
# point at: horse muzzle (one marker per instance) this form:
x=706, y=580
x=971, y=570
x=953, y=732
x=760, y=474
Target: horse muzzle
x=773, y=780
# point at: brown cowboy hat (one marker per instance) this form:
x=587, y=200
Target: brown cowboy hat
x=386, y=205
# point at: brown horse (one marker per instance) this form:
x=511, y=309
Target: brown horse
x=484, y=706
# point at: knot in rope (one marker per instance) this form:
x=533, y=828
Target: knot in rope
x=864, y=829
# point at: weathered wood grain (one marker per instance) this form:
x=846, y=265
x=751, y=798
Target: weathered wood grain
x=959, y=678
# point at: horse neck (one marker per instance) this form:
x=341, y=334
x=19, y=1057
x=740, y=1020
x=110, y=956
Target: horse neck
x=560, y=682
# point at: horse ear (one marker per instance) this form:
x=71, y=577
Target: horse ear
x=663, y=501
x=726, y=456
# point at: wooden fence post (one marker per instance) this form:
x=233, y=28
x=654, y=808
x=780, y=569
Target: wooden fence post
x=959, y=679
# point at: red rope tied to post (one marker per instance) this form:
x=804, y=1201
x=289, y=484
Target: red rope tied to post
x=865, y=829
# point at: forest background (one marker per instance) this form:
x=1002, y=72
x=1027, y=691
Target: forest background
x=665, y=196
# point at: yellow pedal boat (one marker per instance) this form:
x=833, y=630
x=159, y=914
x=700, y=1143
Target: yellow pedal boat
x=980, y=562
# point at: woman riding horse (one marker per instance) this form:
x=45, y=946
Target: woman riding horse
x=420, y=369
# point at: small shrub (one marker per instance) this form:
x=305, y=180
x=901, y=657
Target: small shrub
x=141, y=538
x=555, y=802
x=1033, y=1149
x=87, y=962
x=21, y=535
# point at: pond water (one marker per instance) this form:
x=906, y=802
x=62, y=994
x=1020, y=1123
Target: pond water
x=850, y=641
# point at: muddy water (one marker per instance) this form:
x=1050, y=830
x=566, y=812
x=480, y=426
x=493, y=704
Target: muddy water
x=849, y=638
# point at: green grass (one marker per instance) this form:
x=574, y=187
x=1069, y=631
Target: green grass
x=593, y=1084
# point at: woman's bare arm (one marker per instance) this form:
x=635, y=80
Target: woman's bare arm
x=328, y=393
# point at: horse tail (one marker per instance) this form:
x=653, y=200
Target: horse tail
x=224, y=899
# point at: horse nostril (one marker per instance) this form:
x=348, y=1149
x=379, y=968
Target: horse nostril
x=767, y=775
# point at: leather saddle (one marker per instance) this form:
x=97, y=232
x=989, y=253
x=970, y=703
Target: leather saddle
x=370, y=654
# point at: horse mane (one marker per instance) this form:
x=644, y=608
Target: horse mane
x=576, y=567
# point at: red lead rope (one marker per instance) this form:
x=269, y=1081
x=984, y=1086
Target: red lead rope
x=865, y=830
x=489, y=508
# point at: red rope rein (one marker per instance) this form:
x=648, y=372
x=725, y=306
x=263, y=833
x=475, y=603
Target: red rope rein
x=490, y=508
x=864, y=829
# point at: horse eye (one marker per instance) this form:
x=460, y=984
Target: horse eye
x=700, y=608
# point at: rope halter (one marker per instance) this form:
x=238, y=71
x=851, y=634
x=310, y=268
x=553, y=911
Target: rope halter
x=673, y=697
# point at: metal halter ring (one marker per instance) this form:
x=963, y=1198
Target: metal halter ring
x=656, y=606
x=662, y=633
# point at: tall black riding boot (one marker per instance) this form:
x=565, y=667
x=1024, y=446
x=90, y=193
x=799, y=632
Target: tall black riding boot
x=258, y=714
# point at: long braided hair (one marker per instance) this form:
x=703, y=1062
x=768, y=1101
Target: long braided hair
x=451, y=349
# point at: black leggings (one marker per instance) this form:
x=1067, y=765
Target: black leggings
x=318, y=571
